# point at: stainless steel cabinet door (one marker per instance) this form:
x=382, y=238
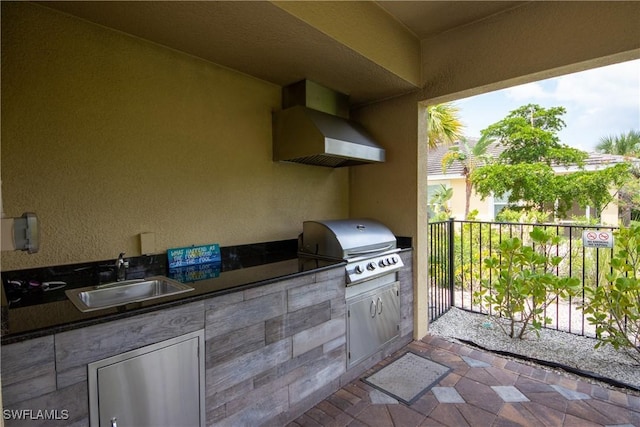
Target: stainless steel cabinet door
x=161, y=387
x=373, y=321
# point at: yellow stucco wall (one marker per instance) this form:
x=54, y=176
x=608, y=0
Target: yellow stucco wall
x=609, y=215
x=537, y=40
x=391, y=192
x=106, y=136
x=454, y=203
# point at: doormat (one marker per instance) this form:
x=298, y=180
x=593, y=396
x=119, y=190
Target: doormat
x=408, y=377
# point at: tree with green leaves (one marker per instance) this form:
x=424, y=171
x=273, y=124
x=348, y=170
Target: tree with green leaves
x=524, y=170
x=471, y=156
x=629, y=201
x=626, y=144
x=443, y=124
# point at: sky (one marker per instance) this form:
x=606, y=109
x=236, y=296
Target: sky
x=600, y=102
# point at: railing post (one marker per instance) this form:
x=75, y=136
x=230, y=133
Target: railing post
x=451, y=262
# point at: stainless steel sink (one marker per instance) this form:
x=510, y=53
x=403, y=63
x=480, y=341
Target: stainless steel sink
x=125, y=292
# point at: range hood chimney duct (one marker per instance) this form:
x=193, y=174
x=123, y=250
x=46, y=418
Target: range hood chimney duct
x=313, y=128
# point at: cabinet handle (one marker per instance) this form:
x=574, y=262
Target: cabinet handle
x=114, y=422
x=379, y=307
x=373, y=309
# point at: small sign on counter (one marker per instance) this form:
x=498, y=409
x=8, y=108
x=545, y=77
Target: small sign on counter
x=194, y=255
x=193, y=273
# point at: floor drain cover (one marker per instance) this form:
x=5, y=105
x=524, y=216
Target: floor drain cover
x=408, y=377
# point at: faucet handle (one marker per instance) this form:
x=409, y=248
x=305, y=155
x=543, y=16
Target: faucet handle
x=121, y=262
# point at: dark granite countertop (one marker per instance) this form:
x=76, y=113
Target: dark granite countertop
x=31, y=314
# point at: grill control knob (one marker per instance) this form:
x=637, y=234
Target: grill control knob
x=382, y=263
x=371, y=266
x=394, y=260
x=358, y=269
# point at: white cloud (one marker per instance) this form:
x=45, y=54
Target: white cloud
x=599, y=102
x=614, y=85
x=527, y=92
x=617, y=84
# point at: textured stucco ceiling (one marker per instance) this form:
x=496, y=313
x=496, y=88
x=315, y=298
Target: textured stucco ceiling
x=272, y=43
x=428, y=18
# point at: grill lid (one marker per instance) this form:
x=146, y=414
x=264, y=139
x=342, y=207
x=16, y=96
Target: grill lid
x=344, y=239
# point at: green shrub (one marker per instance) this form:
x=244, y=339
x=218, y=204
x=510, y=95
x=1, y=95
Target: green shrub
x=520, y=215
x=524, y=282
x=508, y=215
x=614, y=307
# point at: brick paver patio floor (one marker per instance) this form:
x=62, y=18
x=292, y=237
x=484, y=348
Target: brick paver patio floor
x=482, y=389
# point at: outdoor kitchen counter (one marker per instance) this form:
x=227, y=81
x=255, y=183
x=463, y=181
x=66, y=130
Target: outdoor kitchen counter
x=22, y=323
x=275, y=341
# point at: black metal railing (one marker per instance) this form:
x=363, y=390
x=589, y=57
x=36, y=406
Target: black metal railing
x=459, y=248
x=441, y=268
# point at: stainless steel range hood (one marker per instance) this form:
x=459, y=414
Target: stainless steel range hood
x=313, y=128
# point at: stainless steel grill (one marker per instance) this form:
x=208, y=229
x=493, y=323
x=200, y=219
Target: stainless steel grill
x=368, y=247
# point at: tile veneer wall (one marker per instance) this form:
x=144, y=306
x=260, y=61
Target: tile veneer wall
x=271, y=352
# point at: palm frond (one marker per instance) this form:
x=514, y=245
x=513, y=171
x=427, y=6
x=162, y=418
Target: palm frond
x=443, y=124
x=625, y=144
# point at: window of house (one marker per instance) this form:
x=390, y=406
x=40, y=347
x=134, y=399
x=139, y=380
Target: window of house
x=431, y=190
x=578, y=213
x=432, y=206
x=499, y=203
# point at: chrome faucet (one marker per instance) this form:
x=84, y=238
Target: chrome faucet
x=121, y=268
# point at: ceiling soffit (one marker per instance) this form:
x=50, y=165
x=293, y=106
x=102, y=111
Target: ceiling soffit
x=368, y=49
x=365, y=28
x=256, y=38
x=428, y=18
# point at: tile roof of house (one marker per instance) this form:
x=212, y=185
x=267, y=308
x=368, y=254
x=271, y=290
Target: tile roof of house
x=434, y=159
